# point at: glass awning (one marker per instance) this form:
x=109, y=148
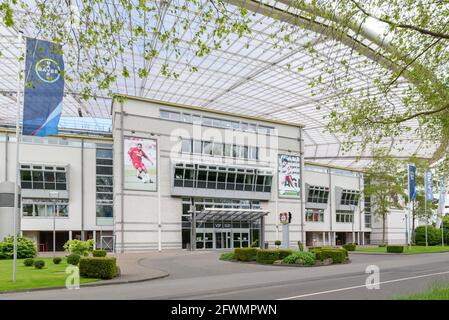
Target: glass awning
x=237, y=215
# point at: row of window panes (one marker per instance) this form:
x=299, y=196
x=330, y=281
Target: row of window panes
x=104, y=182
x=318, y=194
x=349, y=197
x=344, y=216
x=214, y=122
x=45, y=209
x=367, y=221
x=314, y=215
x=219, y=149
x=208, y=179
x=43, y=177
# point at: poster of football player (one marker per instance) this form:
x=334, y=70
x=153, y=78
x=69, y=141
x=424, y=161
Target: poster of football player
x=140, y=160
x=288, y=176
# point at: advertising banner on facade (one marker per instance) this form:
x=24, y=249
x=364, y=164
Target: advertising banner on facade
x=44, y=89
x=140, y=161
x=289, y=168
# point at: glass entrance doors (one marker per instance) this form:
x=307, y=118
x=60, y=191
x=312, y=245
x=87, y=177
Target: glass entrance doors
x=223, y=240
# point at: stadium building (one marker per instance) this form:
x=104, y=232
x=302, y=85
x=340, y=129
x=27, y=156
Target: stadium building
x=171, y=176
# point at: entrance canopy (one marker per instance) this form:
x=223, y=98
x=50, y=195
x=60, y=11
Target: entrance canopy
x=246, y=215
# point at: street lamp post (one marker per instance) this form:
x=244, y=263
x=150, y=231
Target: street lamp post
x=54, y=196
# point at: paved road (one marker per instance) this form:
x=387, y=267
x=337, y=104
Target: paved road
x=201, y=275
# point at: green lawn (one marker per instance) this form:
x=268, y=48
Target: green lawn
x=436, y=293
x=409, y=250
x=52, y=275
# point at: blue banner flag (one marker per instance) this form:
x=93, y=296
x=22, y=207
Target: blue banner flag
x=44, y=88
x=411, y=182
x=429, y=186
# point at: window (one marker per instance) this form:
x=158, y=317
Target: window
x=186, y=145
x=207, y=147
x=315, y=215
x=43, y=177
x=104, y=186
x=344, y=216
x=218, y=149
x=196, y=146
x=318, y=194
x=367, y=212
x=349, y=197
x=45, y=207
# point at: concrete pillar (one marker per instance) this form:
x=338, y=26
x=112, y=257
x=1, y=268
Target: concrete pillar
x=262, y=233
x=70, y=235
x=7, y=209
x=95, y=239
x=324, y=238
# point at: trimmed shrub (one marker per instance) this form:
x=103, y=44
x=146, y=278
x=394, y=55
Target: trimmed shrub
x=98, y=267
x=284, y=253
x=350, y=246
x=270, y=256
x=26, y=248
x=383, y=245
x=28, y=262
x=39, y=264
x=245, y=254
x=300, y=257
x=227, y=256
x=57, y=260
x=433, y=236
x=338, y=255
x=99, y=253
x=73, y=259
x=79, y=247
x=395, y=249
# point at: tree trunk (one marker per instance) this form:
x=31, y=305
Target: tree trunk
x=383, y=229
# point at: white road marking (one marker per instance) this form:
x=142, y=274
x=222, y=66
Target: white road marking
x=364, y=285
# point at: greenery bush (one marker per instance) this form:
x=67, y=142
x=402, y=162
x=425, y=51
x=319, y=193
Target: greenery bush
x=39, y=264
x=270, y=256
x=305, y=258
x=28, y=262
x=433, y=236
x=26, y=248
x=338, y=255
x=99, y=253
x=57, y=260
x=395, y=249
x=300, y=246
x=350, y=246
x=79, y=247
x=245, y=254
x=98, y=267
x=383, y=245
x=277, y=243
x=227, y=256
x=73, y=259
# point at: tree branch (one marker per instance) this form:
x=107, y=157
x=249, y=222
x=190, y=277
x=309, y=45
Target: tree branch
x=415, y=115
x=403, y=25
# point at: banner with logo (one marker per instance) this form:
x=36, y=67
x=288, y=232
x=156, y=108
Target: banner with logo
x=429, y=186
x=442, y=201
x=140, y=161
x=411, y=182
x=44, y=88
x=289, y=176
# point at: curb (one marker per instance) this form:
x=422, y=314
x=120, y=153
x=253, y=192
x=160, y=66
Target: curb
x=395, y=254
x=92, y=284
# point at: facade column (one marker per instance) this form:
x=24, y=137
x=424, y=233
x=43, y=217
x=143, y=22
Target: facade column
x=70, y=235
x=324, y=238
x=95, y=239
x=262, y=233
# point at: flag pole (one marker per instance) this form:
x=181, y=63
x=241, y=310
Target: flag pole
x=16, y=189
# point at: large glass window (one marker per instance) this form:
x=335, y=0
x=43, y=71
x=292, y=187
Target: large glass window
x=344, y=216
x=45, y=207
x=318, y=194
x=43, y=177
x=104, y=185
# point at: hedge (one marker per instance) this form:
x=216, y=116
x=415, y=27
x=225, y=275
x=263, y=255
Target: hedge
x=98, y=267
x=350, y=246
x=26, y=248
x=395, y=249
x=338, y=255
x=99, y=253
x=227, y=256
x=245, y=254
x=433, y=236
x=73, y=259
x=270, y=256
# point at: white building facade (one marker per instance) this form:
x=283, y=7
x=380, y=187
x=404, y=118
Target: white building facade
x=173, y=176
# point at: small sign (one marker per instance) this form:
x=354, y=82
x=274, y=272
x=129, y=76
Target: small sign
x=283, y=217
